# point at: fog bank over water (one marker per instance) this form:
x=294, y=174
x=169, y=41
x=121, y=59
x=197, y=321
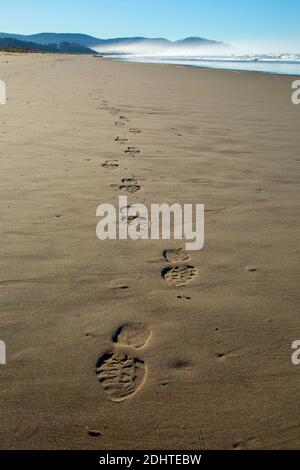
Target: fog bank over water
x=162, y=47
x=151, y=51
x=258, y=56
x=195, y=47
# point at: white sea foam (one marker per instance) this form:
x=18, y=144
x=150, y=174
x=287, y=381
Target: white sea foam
x=269, y=63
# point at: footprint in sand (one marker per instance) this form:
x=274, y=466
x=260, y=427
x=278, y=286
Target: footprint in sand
x=121, y=140
x=119, y=124
x=130, y=188
x=120, y=375
x=124, y=118
x=136, y=218
x=111, y=164
x=134, y=130
x=130, y=180
x=130, y=185
x=130, y=218
x=176, y=256
x=133, y=334
x=132, y=151
x=179, y=275
x=115, y=111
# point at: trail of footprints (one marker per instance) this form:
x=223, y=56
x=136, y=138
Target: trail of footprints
x=130, y=151
x=120, y=373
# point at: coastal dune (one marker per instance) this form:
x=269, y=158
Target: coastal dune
x=137, y=344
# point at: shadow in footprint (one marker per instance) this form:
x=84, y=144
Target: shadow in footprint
x=133, y=334
x=176, y=255
x=130, y=180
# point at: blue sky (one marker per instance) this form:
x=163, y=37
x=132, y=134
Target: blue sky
x=236, y=21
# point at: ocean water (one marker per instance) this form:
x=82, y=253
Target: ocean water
x=283, y=64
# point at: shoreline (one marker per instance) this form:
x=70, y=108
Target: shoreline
x=110, y=58
x=207, y=68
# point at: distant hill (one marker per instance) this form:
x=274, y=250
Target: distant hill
x=116, y=45
x=10, y=43
x=54, y=38
x=195, y=41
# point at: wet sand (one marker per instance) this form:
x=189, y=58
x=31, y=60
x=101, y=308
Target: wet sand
x=206, y=365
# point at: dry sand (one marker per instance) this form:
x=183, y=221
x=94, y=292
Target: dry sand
x=215, y=371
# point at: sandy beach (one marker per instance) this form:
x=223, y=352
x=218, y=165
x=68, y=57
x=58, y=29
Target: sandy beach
x=210, y=361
